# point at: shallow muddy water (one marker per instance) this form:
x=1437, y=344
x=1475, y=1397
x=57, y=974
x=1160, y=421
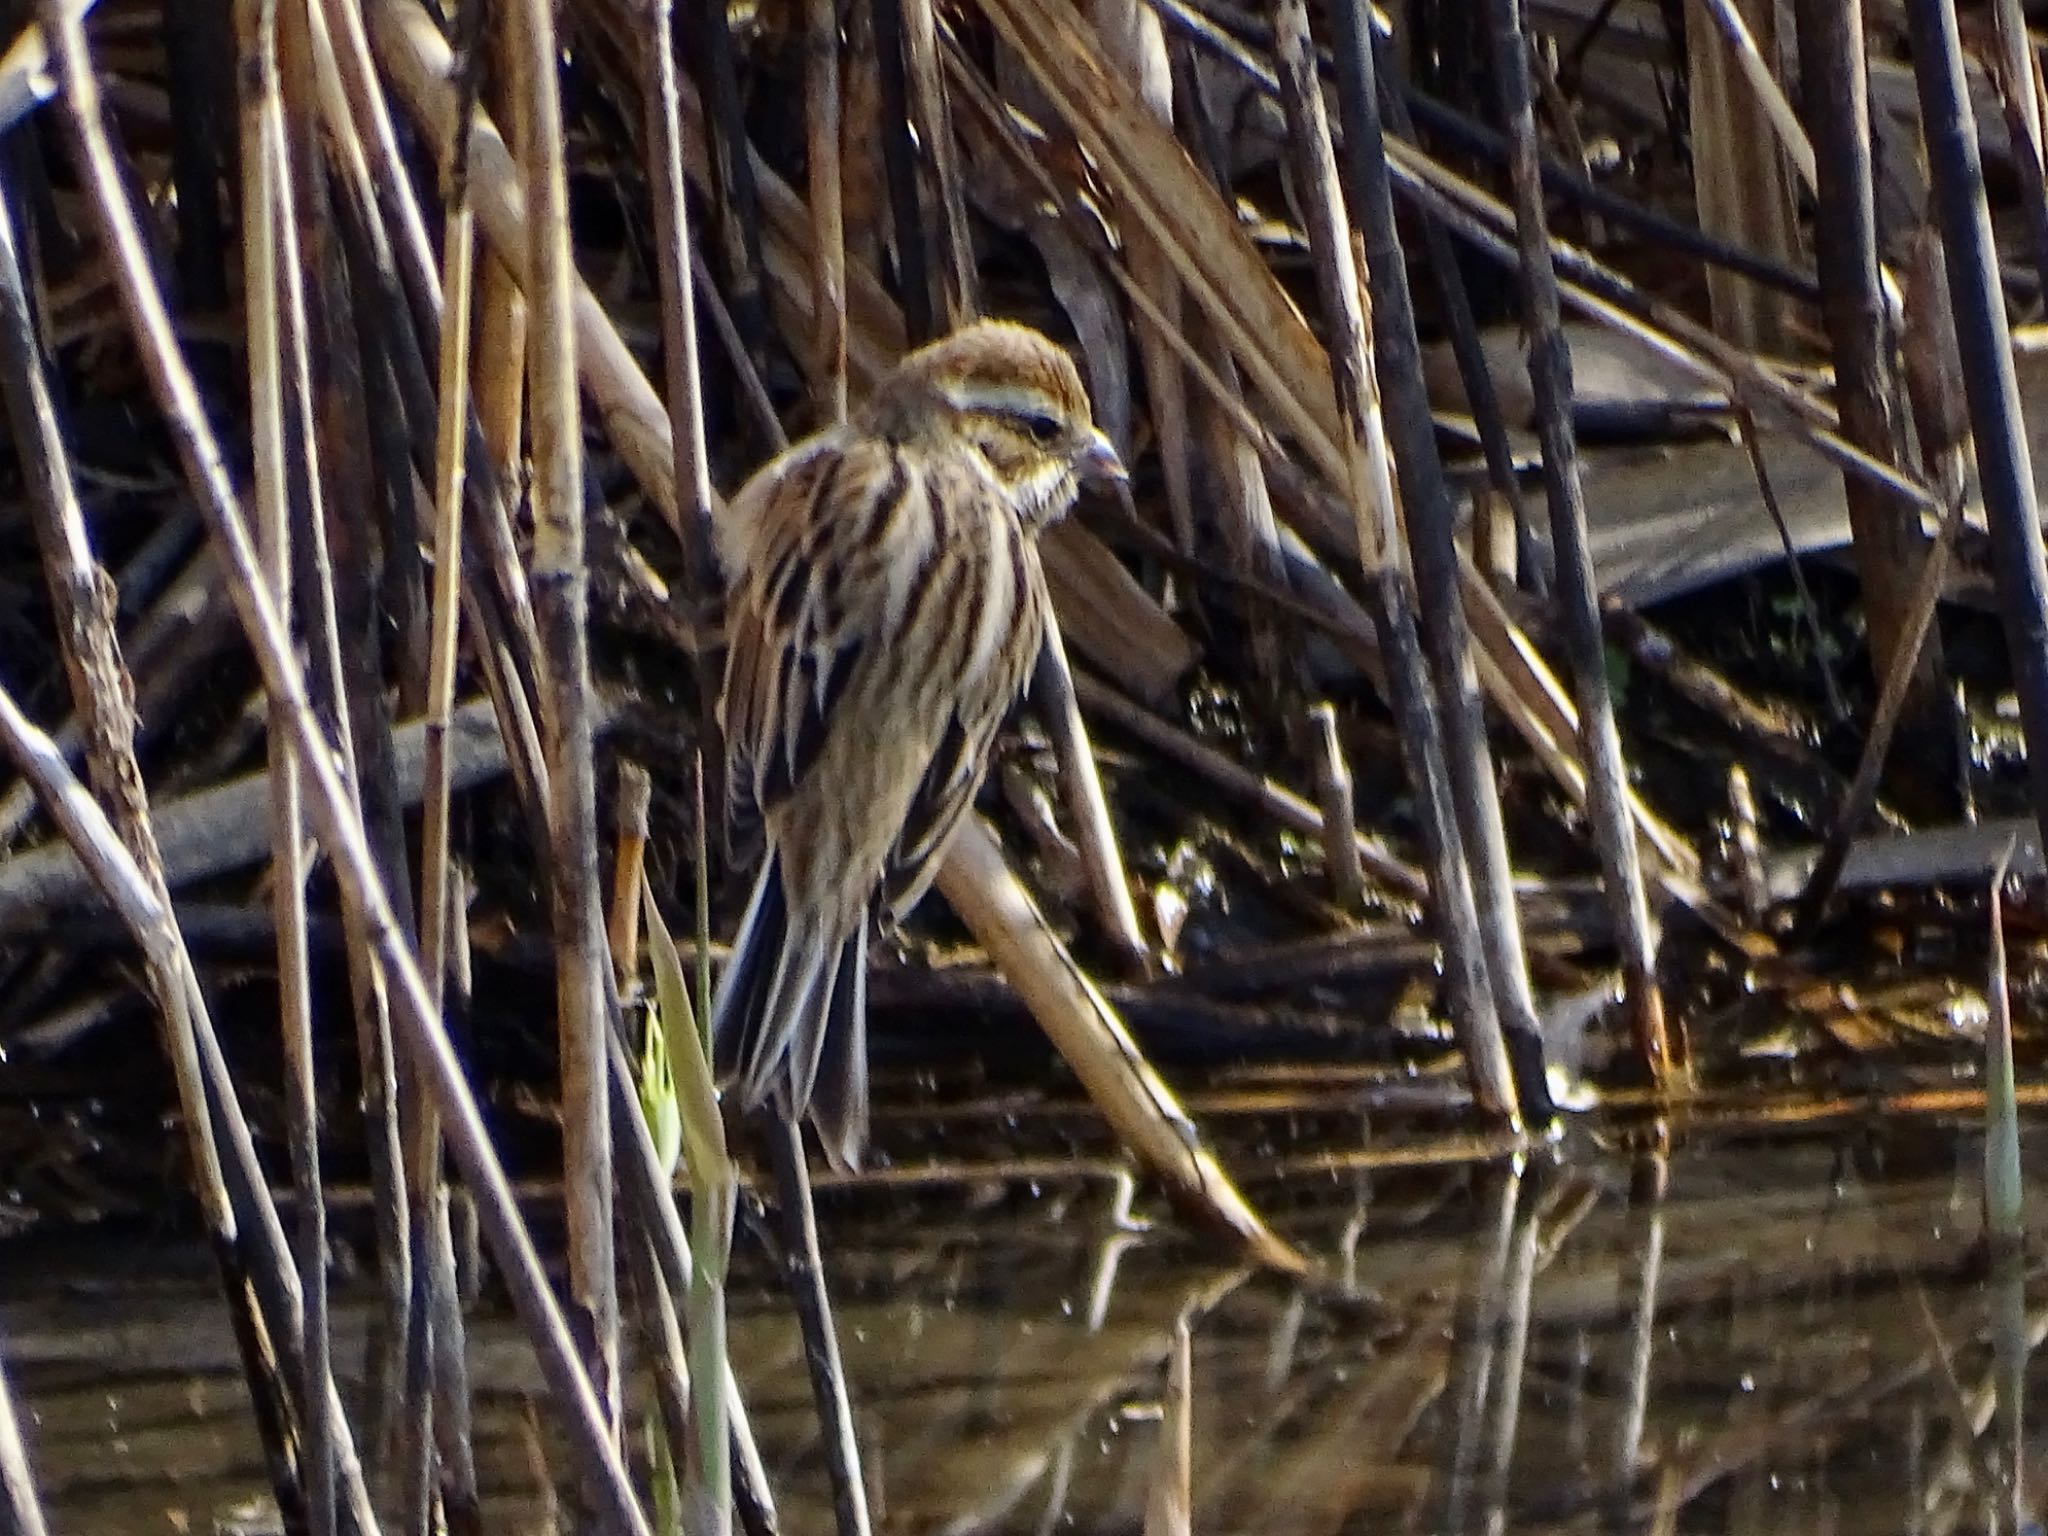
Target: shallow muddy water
x=1763, y=1331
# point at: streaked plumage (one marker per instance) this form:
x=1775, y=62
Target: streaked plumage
x=885, y=606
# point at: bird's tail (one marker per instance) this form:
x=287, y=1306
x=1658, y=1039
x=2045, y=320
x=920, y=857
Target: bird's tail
x=790, y=1020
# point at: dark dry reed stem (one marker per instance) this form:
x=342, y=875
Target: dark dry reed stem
x=753, y=390
x=1888, y=544
x=1752, y=437
x=2015, y=72
x=2003, y=461
x=339, y=829
x=899, y=169
x=739, y=199
x=561, y=601
x=1426, y=520
x=1577, y=590
x=199, y=61
x=1381, y=548
x=1532, y=574
x=336, y=606
x=803, y=1268
x=684, y=374
x=957, y=299
x=265, y=214
x=1236, y=45
x=18, y=1501
x=684, y=371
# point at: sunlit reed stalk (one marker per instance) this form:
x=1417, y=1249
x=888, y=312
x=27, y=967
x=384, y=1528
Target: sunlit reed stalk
x=561, y=601
x=1576, y=590
x=1340, y=824
x=1385, y=550
x=263, y=215
x=328, y=801
x=1393, y=363
x=440, y=882
x=684, y=373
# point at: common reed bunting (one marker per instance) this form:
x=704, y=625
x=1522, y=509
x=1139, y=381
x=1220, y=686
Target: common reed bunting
x=885, y=606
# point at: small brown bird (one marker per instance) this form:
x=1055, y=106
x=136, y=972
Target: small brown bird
x=885, y=606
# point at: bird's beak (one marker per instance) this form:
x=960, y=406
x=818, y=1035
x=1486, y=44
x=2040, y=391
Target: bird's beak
x=1100, y=462
x=1102, y=466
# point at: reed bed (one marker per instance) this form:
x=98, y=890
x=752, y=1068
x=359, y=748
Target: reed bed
x=375, y=381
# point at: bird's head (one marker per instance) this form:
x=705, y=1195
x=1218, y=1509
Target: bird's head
x=1013, y=396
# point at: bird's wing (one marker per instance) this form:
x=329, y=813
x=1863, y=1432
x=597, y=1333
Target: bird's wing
x=957, y=767
x=802, y=613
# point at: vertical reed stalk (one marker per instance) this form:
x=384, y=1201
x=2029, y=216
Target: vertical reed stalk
x=435, y=1367
x=1474, y=373
x=561, y=601
x=934, y=127
x=1340, y=824
x=826, y=201
x=678, y=305
x=899, y=167
x=804, y=1272
x=1887, y=542
x=1550, y=377
x=263, y=216
x=739, y=198
x=702, y=577
x=1369, y=463
x=2004, y=464
x=1426, y=519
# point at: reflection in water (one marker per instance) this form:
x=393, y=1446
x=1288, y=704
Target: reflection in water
x=1747, y=1335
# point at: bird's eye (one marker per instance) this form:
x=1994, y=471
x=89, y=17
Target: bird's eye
x=1044, y=429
